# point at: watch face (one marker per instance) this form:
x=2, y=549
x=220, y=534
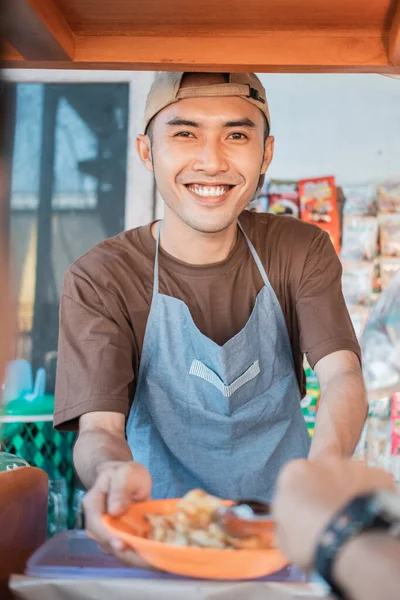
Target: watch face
x=387, y=504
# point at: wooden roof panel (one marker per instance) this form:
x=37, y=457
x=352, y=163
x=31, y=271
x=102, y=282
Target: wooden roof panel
x=394, y=38
x=117, y=16
x=234, y=35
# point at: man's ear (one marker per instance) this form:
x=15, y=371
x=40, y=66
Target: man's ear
x=268, y=154
x=143, y=147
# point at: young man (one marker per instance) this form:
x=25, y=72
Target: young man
x=181, y=343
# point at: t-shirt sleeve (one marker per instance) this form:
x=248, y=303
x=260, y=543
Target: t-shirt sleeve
x=324, y=321
x=95, y=353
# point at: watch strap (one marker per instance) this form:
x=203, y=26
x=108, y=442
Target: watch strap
x=355, y=517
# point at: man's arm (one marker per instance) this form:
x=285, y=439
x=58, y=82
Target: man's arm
x=343, y=407
x=105, y=464
x=101, y=440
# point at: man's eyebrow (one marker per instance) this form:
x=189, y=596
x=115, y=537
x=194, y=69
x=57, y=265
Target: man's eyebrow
x=241, y=123
x=179, y=121
x=182, y=122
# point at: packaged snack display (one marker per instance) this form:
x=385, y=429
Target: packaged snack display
x=360, y=237
x=360, y=199
x=380, y=344
x=390, y=234
x=283, y=198
x=259, y=204
x=380, y=408
x=395, y=419
x=357, y=281
x=309, y=404
x=378, y=443
x=378, y=433
x=360, y=453
x=318, y=205
x=359, y=315
x=389, y=267
x=389, y=197
x=395, y=445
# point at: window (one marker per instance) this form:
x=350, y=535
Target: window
x=67, y=194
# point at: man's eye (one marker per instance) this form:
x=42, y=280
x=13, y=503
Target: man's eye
x=238, y=136
x=184, y=134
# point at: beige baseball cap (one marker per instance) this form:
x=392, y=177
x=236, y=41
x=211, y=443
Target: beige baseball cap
x=166, y=90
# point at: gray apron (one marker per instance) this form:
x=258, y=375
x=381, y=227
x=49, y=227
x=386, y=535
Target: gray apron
x=221, y=418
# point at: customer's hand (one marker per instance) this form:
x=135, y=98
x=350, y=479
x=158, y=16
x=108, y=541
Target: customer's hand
x=308, y=495
x=118, y=484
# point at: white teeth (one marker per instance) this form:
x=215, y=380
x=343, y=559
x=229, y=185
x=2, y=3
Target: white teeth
x=209, y=190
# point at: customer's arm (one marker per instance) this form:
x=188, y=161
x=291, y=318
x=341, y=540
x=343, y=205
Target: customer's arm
x=368, y=567
x=309, y=493
x=343, y=407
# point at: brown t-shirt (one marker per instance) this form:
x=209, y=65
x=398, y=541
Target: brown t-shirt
x=107, y=295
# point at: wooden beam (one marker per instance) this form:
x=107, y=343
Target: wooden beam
x=394, y=37
x=259, y=52
x=8, y=52
x=38, y=31
x=266, y=52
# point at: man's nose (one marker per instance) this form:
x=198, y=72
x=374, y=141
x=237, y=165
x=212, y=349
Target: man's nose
x=212, y=159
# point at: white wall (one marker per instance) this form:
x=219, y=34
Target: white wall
x=345, y=125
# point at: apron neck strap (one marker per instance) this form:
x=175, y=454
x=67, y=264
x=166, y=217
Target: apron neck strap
x=156, y=269
x=254, y=254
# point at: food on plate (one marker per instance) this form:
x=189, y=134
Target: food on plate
x=193, y=524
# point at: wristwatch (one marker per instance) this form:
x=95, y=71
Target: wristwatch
x=375, y=511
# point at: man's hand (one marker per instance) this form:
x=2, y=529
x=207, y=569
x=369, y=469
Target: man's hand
x=309, y=493
x=118, y=484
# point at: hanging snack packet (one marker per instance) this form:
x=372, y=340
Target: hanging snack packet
x=318, y=205
x=360, y=237
x=283, y=198
x=258, y=204
x=360, y=200
x=389, y=268
x=395, y=420
x=389, y=198
x=357, y=281
x=390, y=234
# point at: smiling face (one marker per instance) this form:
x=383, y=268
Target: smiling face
x=207, y=155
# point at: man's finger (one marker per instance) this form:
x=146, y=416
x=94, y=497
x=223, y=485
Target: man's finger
x=130, y=483
x=94, y=504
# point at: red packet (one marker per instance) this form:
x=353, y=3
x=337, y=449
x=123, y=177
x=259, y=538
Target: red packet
x=395, y=419
x=318, y=205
